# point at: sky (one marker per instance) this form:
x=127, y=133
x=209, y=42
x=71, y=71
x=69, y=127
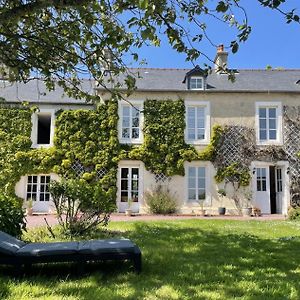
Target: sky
x=271, y=43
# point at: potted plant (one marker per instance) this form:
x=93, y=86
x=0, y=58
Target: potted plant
x=29, y=207
x=222, y=194
x=128, y=210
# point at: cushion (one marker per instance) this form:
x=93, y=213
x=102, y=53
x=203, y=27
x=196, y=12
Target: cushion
x=106, y=246
x=9, y=244
x=48, y=249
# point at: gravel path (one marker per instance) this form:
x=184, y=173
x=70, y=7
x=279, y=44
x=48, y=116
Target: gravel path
x=38, y=220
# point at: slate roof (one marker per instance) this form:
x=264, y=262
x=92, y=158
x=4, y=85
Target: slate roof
x=35, y=91
x=246, y=80
x=164, y=80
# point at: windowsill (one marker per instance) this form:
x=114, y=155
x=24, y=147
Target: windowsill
x=131, y=142
x=197, y=142
x=269, y=143
x=37, y=146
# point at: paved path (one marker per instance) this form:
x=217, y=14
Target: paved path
x=38, y=220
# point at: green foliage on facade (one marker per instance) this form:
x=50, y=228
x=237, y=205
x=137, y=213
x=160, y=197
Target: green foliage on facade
x=233, y=173
x=89, y=138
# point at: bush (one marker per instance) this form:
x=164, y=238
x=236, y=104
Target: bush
x=160, y=201
x=294, y=213
x=11, y=215
x=81, y=206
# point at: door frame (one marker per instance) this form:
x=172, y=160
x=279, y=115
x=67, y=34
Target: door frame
x=121, y=206
x=285, y=201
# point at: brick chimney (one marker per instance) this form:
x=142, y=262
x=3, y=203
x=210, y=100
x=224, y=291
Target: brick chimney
x=221, y=59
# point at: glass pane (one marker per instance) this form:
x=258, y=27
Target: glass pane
x=264, y=185
x=29, y=188
x=135, y=196
x=126, y=111
x=135, y=171
x=201, y=183
x=135, y=122
x=262, y=123
x=48, y=179
x=135, y=133
x=201, y=172
x=258, y=183
x=262, y=112
x=191, y=112
x=124, y=185
x=34, y=188
x=29, y=179
x=43, y=179
x=192, y=194
x=201, y=123
x=272, y=112
x=47, y=197
x=192, y=172
x=200, y=134
x=126, y=122
x=272, y=134
x=124, y=173
x=125, y=133
x=191, y=122
x=135, y=112
x=41, y=197
x=134, y=185
x=272, y=123
x=192, y=183
x=191, y=134
x=263, y=134
x=263, y=172
x=201, y=194
x=200, y=112
x=124, y=196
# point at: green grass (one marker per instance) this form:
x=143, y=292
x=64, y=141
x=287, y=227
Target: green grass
x=190, y=259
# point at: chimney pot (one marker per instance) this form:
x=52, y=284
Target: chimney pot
x=220, y=48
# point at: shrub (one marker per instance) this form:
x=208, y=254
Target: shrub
x=81, y=206
x=11, y=215
x=294, y=213
x=160, y=201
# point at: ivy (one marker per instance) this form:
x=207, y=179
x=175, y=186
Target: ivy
x=233, y=173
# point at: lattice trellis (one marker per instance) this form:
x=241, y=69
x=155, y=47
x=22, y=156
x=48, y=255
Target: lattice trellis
x=161, y=178
x=101, y=173
x=78, y=168
x=237, y=143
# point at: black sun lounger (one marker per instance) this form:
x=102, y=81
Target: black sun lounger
x=17, y=253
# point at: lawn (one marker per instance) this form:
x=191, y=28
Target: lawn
x=187, y=259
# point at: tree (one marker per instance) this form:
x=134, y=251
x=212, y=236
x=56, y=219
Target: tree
x=62, y=41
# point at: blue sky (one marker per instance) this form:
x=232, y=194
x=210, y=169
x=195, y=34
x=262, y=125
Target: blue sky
x=272, y=42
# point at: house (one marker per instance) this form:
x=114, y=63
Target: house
x=255, y=158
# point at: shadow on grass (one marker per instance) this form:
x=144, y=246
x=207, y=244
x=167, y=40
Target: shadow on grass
x=183, y=263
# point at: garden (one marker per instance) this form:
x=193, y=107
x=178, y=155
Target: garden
x=182, y=259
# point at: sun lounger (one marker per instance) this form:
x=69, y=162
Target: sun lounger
x=17, y=253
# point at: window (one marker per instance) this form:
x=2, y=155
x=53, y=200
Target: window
x=261, y=179
x=196, y=83
x=278, y=180
x=130, y=121
x=269, y=123
x=196, y=183
x=38, y=188
x=197, y=122
x=42, y=128
x=130, y=184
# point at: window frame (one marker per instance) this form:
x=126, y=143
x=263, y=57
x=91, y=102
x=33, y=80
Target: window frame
x=34, y=131
x=196, y=104
x=197, y=78
x=38, y=188
x=130, y=140
x=278, y=106
x=208, y=196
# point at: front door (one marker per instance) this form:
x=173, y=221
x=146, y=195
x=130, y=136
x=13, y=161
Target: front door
x=279, y=189
x=262, y=189
x=129, y=193
x=37, y=190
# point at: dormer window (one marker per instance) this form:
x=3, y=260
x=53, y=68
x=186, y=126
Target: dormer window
x=196, y=83
x=195, y=79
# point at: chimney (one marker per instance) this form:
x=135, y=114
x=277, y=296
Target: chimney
x=221, y=59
